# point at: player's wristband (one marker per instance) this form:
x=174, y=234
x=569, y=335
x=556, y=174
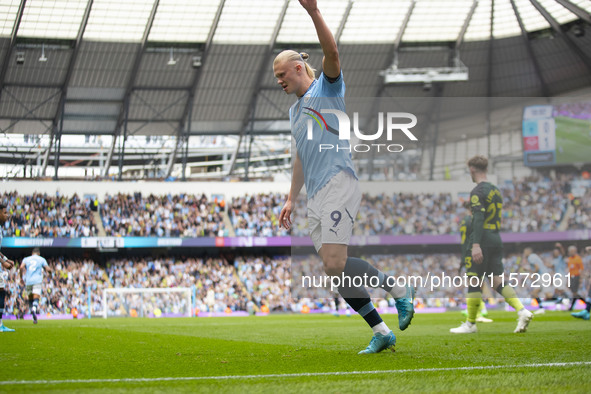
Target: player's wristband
x=4, y=258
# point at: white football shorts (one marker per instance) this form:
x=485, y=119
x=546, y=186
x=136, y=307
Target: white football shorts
x=332, y=211
x=34, y=289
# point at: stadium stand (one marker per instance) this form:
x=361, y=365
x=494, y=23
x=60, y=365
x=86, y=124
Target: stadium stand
x=41, y=215
x=581, y=216
x=244, y=283
x=530, y=205
x=534, y=206
x=257, y=215
x=68, y=285
x=163, y=216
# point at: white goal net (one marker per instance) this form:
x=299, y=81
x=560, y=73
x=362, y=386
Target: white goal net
x=147, y=302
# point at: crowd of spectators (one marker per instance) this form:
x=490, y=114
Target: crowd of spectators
x=581, y=217
x=267, y=280
x=405, y=213
x=181, y=215
x=416, y=270
x=250, y=283
x=41, y=215
x=65, y=288
x=534, y=206
x=257, y=215
x=216, y=285
x=68, y=284
x=529, y=205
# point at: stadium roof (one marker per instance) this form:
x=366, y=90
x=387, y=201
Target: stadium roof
x=194, y=67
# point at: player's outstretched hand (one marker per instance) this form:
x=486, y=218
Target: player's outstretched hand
x=309, y=5
x=285, y=215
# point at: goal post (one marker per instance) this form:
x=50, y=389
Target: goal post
x=148, y=302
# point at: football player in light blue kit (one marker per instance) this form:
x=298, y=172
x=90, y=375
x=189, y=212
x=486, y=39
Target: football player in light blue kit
x=31, y=270
x=331, y=182
x=538, y=267
x=5, y=265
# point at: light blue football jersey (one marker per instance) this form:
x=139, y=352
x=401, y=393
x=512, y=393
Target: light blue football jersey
x=320, y=166
x=534, y=260
x=34, y=265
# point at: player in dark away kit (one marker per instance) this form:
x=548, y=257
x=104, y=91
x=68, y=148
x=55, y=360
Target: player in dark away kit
x=487, y=248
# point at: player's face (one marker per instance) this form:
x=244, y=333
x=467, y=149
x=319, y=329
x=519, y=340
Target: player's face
x=3, y=216
x=287, y=76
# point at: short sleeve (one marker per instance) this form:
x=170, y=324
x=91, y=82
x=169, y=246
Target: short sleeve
x=331, y=89
x=476, y=201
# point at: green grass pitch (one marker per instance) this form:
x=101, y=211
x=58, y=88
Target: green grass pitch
x=573, y=140
x=162, y=351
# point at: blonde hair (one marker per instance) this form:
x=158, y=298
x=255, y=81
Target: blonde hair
x=292, y=56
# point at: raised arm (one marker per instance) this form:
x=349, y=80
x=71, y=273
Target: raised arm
x=331, y=64
x=560, y=248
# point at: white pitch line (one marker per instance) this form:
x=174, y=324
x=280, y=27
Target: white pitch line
x=293, y=375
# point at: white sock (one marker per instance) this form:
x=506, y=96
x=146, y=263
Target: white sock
x=398, y=292
x=382, y=328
